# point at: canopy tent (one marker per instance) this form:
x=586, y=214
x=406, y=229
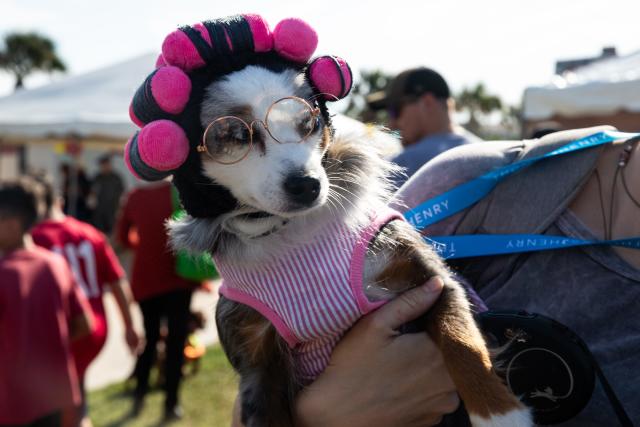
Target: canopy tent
x=603, y=92
x=93, y=105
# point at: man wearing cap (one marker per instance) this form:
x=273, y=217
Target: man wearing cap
x=419, y=105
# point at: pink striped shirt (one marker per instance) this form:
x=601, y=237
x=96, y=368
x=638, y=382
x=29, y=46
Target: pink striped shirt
x=313, y=293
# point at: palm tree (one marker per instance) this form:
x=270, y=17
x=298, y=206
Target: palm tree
x=477, y=102
x=25, y=53
x=370, y=82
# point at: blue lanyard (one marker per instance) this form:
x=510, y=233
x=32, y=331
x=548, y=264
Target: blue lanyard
x=450, y=247
x=464, y=195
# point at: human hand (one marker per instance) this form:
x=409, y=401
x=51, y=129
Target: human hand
x=132, y=339
x=377, y=377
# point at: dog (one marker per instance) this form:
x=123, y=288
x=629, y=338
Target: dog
x=301, y=205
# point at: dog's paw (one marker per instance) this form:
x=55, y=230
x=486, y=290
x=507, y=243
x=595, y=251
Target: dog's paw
x=520, y=417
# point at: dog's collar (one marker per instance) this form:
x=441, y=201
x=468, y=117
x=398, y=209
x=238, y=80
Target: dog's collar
x=273, y=230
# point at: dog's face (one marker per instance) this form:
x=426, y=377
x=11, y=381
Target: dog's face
x=276, y=179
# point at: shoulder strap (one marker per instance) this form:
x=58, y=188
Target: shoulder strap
x=529, y=201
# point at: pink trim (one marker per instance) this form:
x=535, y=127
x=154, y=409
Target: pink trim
x=357, y=261
x=243, y=298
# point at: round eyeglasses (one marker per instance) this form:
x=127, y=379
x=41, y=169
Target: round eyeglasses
x=228, y=140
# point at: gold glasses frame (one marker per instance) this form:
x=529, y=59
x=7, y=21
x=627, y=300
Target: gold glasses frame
x=202, y=147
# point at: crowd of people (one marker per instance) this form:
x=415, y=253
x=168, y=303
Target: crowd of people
x=54, y=306
x=55, y=269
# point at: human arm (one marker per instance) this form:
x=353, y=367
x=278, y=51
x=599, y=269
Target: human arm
x=113, y=274
x=122, y=294
x=355, y=389
x=80, y=316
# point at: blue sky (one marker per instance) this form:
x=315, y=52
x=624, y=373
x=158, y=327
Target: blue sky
x=509, y=45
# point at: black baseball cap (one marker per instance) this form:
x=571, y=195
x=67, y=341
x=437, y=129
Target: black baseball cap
x=409, y=83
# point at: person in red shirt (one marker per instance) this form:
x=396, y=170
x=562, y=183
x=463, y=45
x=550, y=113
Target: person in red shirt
x=160, y=292
x=41, y=311
x=95, y=266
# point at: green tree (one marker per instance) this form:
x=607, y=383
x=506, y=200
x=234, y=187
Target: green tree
x=369, y=82
x=25, y=53
x=477, y=102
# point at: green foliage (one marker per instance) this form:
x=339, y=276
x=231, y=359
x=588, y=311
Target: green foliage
x=206, y=398
x=25, y=53
x=476, y=102
x=368, y=83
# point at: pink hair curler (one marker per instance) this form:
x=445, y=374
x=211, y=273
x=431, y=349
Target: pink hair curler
x=294, y=39
x=160, y=62
x=331, y=76
x=164, y=93
x=127, y=157
x=171, y=89
x=133, y=116
x=178, y=50
x=163, y=145
x=262, y=37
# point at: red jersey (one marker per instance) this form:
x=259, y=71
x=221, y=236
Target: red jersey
x=145, y=212
x=94, y=264
x=38, y=299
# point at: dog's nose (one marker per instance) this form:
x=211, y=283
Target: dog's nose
x=302, y=189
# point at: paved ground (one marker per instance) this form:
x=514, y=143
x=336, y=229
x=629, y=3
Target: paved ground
x=115, y=362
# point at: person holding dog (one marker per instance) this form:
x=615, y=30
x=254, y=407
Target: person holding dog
x=419, y=104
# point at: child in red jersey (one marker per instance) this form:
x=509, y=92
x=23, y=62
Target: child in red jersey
x=41, y=312
x=94, y=266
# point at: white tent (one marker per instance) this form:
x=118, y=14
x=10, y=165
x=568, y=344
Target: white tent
x=602, y=88
x=94, y=104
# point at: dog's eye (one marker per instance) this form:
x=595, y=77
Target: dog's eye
x=228, y=130
x=307, y=125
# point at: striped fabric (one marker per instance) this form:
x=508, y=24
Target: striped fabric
x=312, y=294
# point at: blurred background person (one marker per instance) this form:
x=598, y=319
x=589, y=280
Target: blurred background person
x=107, y=189
x=95, y=266
x=41, y=310
x=419, y=105
x=160, y=292
x=76, y=190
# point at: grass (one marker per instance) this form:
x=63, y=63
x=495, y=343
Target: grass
x=206, y=398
